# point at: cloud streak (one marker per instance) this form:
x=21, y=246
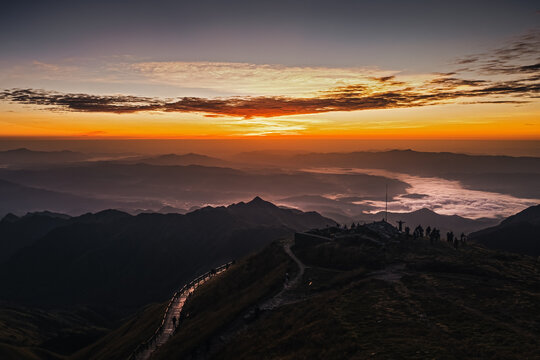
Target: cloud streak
x=516, y=65
x=347, y=98
x=521, y=56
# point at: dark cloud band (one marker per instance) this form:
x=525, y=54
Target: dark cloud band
x=349, y=98
x=389, y=93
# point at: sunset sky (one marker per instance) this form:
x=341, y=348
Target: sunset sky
x=234, y=69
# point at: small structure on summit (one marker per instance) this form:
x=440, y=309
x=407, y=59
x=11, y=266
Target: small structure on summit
x=384, y=229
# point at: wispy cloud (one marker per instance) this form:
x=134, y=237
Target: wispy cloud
x=516, y=66
x=521, y=56
x=250, y=79
x=347, y=98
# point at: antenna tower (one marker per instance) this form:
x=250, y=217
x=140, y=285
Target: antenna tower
x=386, y=207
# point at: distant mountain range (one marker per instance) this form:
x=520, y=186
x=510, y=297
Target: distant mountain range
x=345, y=211
x=518, y=233
x=113, y=259
x=21, y=199
x=518, y=176
x=426, y=217
x=186, y=186
x=408, y=161
x=180, y=160
x=27, y=157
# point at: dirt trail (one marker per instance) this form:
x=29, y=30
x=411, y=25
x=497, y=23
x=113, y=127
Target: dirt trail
x=285, y=296
x=391, y=273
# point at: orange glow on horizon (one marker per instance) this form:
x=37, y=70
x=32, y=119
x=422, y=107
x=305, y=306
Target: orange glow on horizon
x=452, y=121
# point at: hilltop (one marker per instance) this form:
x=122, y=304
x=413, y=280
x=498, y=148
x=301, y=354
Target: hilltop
x=426, y=217
x=85, y=276
x=518, y=233
x=377, y=294
x=366, y=292
x=115, y=259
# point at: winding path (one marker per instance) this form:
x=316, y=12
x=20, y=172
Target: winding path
x=283, y=297
x=173, y=311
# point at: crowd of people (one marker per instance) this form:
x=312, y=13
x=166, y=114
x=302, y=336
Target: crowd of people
x=434, y=235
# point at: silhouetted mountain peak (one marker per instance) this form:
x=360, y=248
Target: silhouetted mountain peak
x=256, y=202
x=259, y=202
x=425, y=211
x=47, y=214
x=103, y=216
x=10, y=218
x=518, y=233
x=111, y=213
x=19, y=151
x=529, y=215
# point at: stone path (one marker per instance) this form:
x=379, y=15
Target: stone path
x=173, y=311
x=283, y=297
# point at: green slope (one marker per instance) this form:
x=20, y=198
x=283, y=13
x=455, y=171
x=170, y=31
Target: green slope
x=404, y=300
x=121, y=342
x=225, y=298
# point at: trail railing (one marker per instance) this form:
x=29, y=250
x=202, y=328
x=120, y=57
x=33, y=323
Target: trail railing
x=145, y=349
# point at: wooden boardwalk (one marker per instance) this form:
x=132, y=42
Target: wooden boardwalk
x=173, y=311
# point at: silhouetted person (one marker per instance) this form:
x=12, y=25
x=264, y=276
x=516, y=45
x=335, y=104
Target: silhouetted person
x=174, y=322
x=353, y=226
x=432, y=236
x=428, y=231
x=400, y=225
x=436, y=234
x=463, y=237
x=418, y=232
x=450, y=237
x=407, y=230
x=456, y=242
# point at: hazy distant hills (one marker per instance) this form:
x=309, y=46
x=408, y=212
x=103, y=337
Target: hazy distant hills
x=28, y=157
x=341, y=210
x=176, y=182
x=113, y=259
x=18, y=232
x=426, y=163
x=22, y=199
x=518, y=233
x=181, y=160
x=519, y=176
x=195, y=184
x=426, y=217
x=345, y=211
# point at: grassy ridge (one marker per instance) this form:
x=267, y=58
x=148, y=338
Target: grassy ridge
x=49, y=333
x=221, y=300
x=424, y=301
x=12, y=352
x=119, y=343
